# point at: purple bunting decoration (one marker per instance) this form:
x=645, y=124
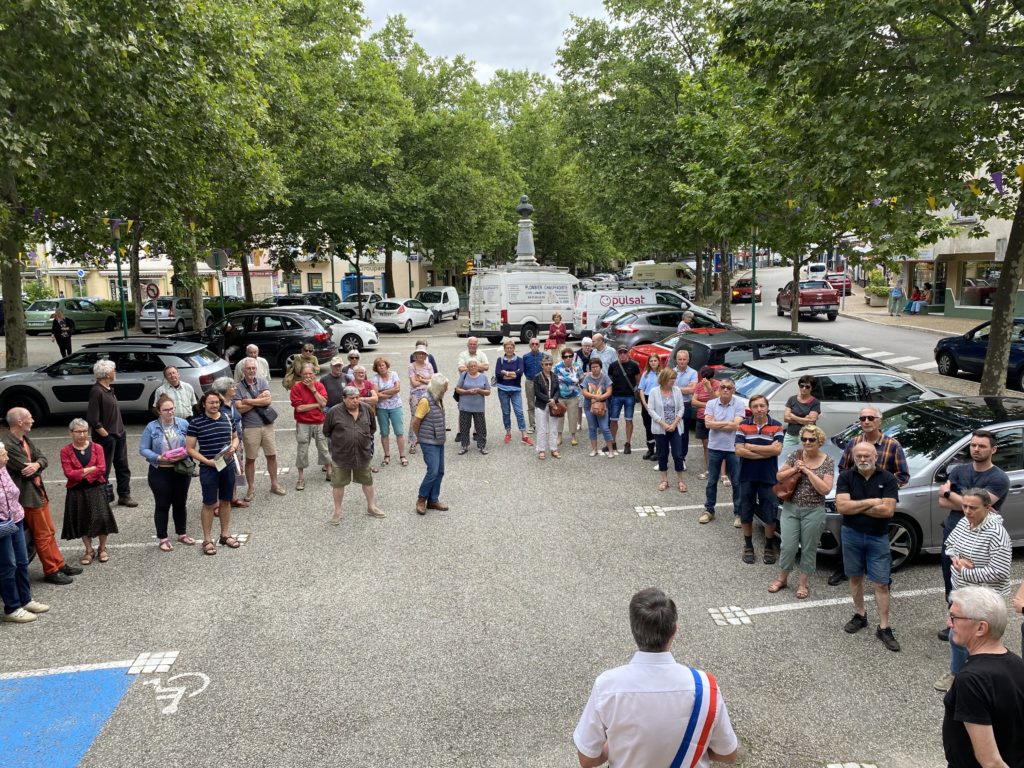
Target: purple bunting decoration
x=876, y=202
x=997, y=179
x=36, y=215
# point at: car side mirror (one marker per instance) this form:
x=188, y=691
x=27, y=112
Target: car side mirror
x=942, y=474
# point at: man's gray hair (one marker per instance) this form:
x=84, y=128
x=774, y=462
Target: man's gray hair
x=305, y=366
x=349, y=391
x=982, y=604
x=873, y=409
x=222, y=385
x=78, y=424
x=103, y=368
x=437, y=385
x=687, y=315
x=251, y=348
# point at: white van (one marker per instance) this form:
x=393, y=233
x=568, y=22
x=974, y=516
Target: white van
x=629, y=272
x=667, y=271
x=590, y=305
x=443, y=301
x=510, y=301
x=815, y=270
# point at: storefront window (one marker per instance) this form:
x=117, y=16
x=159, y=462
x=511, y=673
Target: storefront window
x=923, y=272
x=294, y=283
x=978, y=283
x=939, y=294
x=316, y=281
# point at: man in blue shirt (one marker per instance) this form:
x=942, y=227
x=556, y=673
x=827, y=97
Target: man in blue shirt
x=686, y=382
x=722, y=417
x=531, y=370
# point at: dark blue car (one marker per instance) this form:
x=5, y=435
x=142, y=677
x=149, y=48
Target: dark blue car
x=967, y=353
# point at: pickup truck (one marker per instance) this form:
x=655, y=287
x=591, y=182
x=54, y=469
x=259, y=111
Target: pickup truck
x=817, y=297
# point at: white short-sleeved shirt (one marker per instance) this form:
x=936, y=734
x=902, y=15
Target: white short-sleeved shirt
x=720, y=439
x=642, y=710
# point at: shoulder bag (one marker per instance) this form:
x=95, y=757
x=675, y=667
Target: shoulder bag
x=266, y=413
x=460, y=383
x=784, y=489
x=556, y=408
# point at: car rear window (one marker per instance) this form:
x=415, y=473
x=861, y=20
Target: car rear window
x=749, y=384
x=387, y=305
x=429, y=296
x=200, y=358
x=43, y=306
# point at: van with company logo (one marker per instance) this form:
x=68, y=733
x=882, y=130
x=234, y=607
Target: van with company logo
x=520, y=301
x=590, y=305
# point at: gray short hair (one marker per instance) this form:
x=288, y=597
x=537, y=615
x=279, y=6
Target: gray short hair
x=308, y=365
x=78, y=424
x=687, y=315
x=349, y=391
x=103, y=368
x=251, y=348
x=982, y=604
x=358, y=368
x=222, y=385
x=437, y=385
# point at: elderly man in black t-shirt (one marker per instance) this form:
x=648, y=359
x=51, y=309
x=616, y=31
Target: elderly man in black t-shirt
x=985, y=705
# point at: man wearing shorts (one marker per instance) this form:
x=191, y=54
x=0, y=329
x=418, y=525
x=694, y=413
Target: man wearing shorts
x=349, y=428
x=625, y=375
x=211, y=437
x=758, y=445
x=866, y=497
x=252, y=396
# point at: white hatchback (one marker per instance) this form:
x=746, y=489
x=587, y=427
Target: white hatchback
x=346, y=332
x=403, y=314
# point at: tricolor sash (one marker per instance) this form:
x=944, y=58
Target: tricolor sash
x=702, y=718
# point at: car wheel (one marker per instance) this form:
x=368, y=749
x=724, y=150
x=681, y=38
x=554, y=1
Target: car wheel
x=147, y=330
x=408, y=326
x=209, y=319
x=778, y=308
x=904, y=541
x=110, y=324
x=27, y=400
x=946, y=364
x=286, y=360
x=430, y=320
x=366, y=316
x=350, y=342
x=832, y=316
x=179, y=326
x=529, y=332
x=455, y=315
x=494, y=339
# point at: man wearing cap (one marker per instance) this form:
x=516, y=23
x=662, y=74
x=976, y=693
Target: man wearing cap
x=625, y=375
x=334, y=382
x=262, y=366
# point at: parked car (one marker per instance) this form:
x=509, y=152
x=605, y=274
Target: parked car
x=172, y=313
x=732, y=348
x=935, y=435
x=356, y=301
x=967, y=352
x=228, y=299
x=401, y=314
x=443, y=301
x=348, y=333
x=979, y=292
x=816, y=297
x=841, y=282
x=62, y=388
x=842, y=384
x=644, y=326
x=81, y=314
x=702, y=317
x=816, y=270
x=279, y=333
x=742, y=289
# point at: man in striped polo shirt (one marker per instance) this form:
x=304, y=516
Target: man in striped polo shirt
x=758, y=446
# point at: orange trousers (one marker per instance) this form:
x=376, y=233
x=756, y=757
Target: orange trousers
x=39, y=522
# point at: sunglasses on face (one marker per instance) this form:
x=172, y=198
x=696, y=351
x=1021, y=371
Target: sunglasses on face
x=805, y=386
x=808, y=440
x=868, y=418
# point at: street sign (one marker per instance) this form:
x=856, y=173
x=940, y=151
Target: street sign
x=217, y=259
x=153, y=290
x=80, y=273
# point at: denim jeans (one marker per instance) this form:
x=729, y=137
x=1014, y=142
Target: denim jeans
x=670, y=441
x=14, y=584
x=515, y=399
x=957, y=655
x=732, y=468
x=433, y=457
x=595, y=423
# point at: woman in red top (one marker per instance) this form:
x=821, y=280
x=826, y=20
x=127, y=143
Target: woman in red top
x=706, y=391
x=556, y=333
x=87, y=511
x=309, y=398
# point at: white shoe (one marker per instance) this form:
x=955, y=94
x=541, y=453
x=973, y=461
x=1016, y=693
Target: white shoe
x=20, y=616
x=945, y=682
x=593, y=454
x=33, y=607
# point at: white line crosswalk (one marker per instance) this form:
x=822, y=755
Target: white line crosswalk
x=890, y=358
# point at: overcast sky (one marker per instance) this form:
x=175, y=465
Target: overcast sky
x=516, y=34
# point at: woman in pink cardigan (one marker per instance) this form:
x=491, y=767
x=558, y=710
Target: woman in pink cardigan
x=87, y=511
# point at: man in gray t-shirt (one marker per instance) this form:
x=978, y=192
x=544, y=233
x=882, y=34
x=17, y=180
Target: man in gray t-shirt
x=252, y=396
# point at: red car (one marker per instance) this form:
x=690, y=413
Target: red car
x=741, y=290
x=841, y=282
x=663, y=348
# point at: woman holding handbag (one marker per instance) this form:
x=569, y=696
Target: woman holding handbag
x=549, y=410
x=597, y=389
x=15, y=588
x=803, y=507
x=170, y=471
x=87, y=512
x=557, y=333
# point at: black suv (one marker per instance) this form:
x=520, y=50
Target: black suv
x=279, y=333
x=730, y=349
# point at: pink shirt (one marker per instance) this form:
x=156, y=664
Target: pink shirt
x=10, y=504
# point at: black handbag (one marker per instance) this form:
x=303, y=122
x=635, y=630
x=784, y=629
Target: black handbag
x=266, y=413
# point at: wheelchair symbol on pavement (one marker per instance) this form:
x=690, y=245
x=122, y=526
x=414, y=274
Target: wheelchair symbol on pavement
x=176, y=693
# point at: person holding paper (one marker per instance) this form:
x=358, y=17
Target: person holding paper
x=212, y=441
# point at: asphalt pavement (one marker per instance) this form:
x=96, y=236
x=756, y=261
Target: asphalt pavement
x=462, y=638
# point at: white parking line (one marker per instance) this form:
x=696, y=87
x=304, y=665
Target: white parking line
x=923, y=366
x=900, y=360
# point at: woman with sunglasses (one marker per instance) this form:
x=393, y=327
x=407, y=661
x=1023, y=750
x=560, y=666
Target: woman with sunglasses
x=802, y=409
x=979, y=551
x=305, y=357
x=803, y=515
x=569, y=373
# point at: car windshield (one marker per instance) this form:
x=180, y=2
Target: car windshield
x=43, y=306
x=429, y=297
x=814, y=285
x=749, y=384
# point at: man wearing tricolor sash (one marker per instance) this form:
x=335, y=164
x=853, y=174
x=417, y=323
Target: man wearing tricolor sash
x=654, y=711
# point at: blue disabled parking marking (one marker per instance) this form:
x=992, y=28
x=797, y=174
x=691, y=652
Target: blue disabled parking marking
x=51, y=720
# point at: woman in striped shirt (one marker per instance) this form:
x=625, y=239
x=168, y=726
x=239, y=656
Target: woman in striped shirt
x=979, y=549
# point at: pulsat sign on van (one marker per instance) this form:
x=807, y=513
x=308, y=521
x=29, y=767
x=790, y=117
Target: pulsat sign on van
x=620, y=300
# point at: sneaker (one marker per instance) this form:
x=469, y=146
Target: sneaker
x=945, y=682
x=57, y=578
x=127, y=501
x=748, y=555
x=70, y=570
x=943, y=635
x=526, y=440
x=615, y=447
x=508, y=438
x=20, y=616
x=463, y=449
x=33, y=607
x=837, y=578
x=856, y=624
x=706, y=517
x=627, y=449
x=593, y=453
x=530, y=431
x=736, y=523
x=888, y=638
x=484, y=451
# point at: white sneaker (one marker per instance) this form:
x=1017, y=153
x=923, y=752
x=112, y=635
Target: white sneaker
x=945, y=682
x=33, y=607
x=20, y=616
x=593, y=453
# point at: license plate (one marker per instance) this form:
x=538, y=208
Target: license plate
x=818, y=306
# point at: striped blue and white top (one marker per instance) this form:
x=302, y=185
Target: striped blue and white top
x=212, y=435
x=988, y=547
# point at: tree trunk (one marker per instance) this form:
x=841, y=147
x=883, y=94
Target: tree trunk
x=726, y=292
x=389, y=270
x=794, y=303
x=1004, y=307
x=193, y=284
x=243, y=264
x=134, y=277
x=698, y=284
x=10, y=278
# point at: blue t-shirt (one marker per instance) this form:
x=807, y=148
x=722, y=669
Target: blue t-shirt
x=648, y=382
x=759, y=470
x=684, y=379
x=473, y=403
x=212, y=435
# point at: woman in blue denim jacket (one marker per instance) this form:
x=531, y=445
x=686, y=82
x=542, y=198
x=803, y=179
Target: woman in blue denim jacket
x=569, y=373
x=170, y=487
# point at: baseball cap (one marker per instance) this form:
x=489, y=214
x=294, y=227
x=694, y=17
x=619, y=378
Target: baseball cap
x=338, y=360
x=623, y=348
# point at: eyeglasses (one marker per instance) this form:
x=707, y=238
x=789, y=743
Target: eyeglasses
x=566, y=357
x=79, y=431
x=808, y=440
x=164, y=410
x=804, y=386
x=962, y=618
x=868, y=418
x=726, y=386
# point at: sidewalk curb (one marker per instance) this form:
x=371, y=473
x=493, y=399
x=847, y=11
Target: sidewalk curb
x=934, y=331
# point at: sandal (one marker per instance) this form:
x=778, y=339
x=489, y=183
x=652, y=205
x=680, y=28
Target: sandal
x=702, y=476
x=229, y=541
x=777, y=586
x=101, y=555
x=541, y=456
x=682, y=487
x=403, y=461
x=186, y=539
x=209, y=548
x=166, y=546
x=387, y=460
x=663, y=485
x=87, y=557
x=803, y=592
x=556, y=455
